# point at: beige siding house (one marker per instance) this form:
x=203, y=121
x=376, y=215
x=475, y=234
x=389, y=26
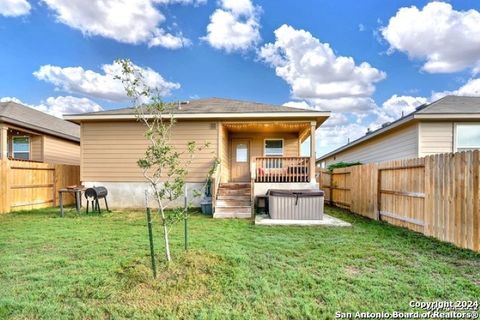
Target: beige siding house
x=258, y=146
x=110, y=149
x=450, y=124
x=28, y=134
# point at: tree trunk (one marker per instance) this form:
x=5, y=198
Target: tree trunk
x=167, y=243
x=165, y=234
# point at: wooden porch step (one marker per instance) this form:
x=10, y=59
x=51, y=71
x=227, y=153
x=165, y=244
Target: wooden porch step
x=236, y=209
x=234, y=192
x=233, y=200
x=238, y=215
x=234, y=197
x=232, y=203
x=235, y=185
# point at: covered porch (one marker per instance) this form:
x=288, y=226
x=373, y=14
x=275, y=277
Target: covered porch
x=267, y=151
x=257, y=156
x=19, y=143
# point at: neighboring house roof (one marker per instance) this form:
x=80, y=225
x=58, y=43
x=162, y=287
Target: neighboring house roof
x=210, y=108
x=452, y=105
x=29, y=118
x=448, y=107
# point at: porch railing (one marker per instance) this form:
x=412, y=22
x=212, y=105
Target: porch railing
x=281, y=169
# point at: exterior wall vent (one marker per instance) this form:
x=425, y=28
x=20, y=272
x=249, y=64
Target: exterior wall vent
x=181, y=103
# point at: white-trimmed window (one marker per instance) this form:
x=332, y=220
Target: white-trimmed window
x=21, y=147
x=273, y=147
x=467, y=136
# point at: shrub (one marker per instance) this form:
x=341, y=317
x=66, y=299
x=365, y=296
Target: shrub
x=342, y=165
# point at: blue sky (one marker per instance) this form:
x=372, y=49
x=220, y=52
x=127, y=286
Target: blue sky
x=238, y=49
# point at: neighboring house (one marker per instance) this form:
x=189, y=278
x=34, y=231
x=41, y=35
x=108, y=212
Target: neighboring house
x=29, y=134
x=252, y=141
x=449, y=124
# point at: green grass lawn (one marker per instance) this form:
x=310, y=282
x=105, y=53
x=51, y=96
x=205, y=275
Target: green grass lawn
x=97, y=267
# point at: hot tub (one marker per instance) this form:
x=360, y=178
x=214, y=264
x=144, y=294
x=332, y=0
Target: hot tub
x=295, y=204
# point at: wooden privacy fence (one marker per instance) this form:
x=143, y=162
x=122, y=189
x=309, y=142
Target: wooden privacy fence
x=438, y=195
x=26, y=185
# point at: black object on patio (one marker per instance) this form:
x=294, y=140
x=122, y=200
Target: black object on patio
x=93, y=194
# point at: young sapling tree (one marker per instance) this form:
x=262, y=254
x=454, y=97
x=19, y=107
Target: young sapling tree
x=163, y=166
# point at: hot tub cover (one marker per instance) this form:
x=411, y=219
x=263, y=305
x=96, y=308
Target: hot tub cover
x=301, y=193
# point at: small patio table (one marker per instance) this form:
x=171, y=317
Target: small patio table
x=77, y=193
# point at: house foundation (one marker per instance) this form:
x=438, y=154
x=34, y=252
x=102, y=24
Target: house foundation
x=131, y=195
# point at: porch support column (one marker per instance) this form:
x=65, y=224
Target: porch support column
x=3, y=141
x=313, y=157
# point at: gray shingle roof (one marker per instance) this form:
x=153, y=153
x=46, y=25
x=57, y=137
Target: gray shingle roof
x=448, y=105
x=29, y=118
x=452, y=104
x=212, y=105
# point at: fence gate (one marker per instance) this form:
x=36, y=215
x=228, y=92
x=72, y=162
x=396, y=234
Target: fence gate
x=26, y=185
x=338, y=185
x=31, y=187
x=401, y=193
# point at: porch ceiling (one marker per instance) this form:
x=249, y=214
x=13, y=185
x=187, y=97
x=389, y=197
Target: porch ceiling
x=267, y=127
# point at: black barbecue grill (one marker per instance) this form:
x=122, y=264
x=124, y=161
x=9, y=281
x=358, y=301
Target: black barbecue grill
x=93, y=195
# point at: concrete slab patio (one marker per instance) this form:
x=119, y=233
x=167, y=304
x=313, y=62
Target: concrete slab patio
x=329, y=221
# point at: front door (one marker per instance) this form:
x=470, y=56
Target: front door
x=240, y=155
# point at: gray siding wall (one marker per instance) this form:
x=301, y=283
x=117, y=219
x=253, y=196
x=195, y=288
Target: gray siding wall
x=400, y=144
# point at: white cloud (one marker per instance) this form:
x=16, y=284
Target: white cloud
x=470, y=88
x=239, y=7
x=234, y=26
x=346, y=104
x=122, y=20
x=298, y=104
x=336, y=131
x=184, y=2
x=317, y=75
x=447, y=39
x=331, y=137
x=100, y=85
x=169, y=41
x=395, y=107
x=12, y=99
x=58, y=106
x=14, y=8
x=336, y=119
x=341, y=127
